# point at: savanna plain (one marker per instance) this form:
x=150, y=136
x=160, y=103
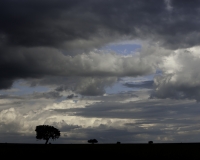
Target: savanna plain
x=158, y=151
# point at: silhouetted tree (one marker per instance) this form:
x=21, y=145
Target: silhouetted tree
x=46, y=132
x=92, y=141
x=150, y=142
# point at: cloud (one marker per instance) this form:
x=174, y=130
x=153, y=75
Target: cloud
x=10, y=121
x=94, y=86
x=70, y=96
x=40, y=62
x=180, y=77
x=168, y=5
x=6, y=83
x=118, y=118
x=48, y=95
x=57, y=44
x=40, y=39
x=59, y=23
x=143, y=84
x=48, y=61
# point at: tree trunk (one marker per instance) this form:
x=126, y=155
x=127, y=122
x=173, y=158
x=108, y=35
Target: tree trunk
x=47, y=141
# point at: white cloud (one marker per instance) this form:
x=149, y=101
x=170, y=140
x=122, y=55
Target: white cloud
x=181, y=78
x=121, y=117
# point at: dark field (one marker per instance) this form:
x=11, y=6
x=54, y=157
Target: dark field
x=95, y=151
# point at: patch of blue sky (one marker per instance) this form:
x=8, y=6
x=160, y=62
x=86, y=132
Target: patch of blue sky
x=127, y=48
x=137, y=79
x=19, y=88
x=120, y=86
x=122, y=49
x=140, y=79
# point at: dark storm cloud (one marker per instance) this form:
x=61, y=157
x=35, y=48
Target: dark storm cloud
x=33, y=23
x=34, y=35
x=48, y=62
x=50, y=23
x=70, y=96
x=5, y=83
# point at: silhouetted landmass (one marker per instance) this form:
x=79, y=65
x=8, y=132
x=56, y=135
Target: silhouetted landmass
x=139, y=151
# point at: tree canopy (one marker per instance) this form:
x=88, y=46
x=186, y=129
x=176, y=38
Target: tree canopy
x=92, y=141
x=46, y=132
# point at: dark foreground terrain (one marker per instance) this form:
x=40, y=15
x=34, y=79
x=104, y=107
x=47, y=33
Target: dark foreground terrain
x=95, y=151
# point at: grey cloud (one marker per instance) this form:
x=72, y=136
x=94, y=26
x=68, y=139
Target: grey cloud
x=35, y=35
x=88, y=86
x=63, y=126
x=113, y=97
x=47, y=61
x=180, y=78
x=155, y=110
x=94, y=86
x=161, y=127
x=40, y=62
x=53, y=23
x=41, y=41
x=6, y=83
x=160, y=120
x=157, y=120
x=34, y=95
x=109, y=134
x=67, y=128
x=70, y=96
x=7, y=96
x=47, y=95
x=105, y=134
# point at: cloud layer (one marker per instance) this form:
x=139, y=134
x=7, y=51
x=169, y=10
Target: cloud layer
x=62, y=45
x=128, y=119
x=41, y=62
x=36, y=35
x=180, y=77
x=55, y=23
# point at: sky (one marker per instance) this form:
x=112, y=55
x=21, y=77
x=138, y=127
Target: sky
x=109, y=70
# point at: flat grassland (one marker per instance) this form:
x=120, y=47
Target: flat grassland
x=158, y=151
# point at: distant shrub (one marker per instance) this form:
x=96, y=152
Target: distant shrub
x=92, y=141
x=150, y=142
